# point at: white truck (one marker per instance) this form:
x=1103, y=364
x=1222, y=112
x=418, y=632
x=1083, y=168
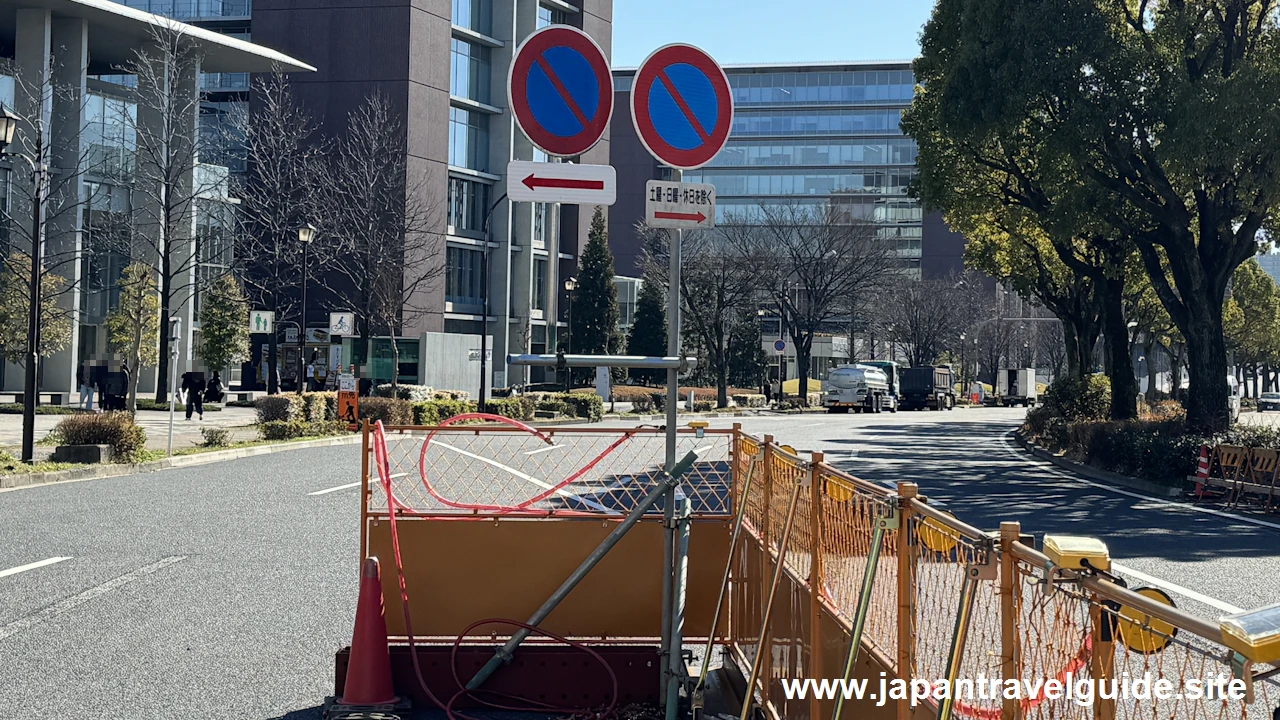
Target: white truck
x=1016, y=387
x=858, y=387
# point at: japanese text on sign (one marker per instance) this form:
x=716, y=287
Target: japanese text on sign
x=682, y=193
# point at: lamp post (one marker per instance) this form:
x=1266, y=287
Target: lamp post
x=569, y=286
x=964, y=366
x=39, y=177
x=484, y=307
x=306, y=234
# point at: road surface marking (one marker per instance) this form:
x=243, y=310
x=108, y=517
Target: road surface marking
x=31, y=566
x=1176, y=589
x=326, y=491
x=544, y=449
x=75, y=601
x=528, y=478
x=801, y=427
x=1054, y=470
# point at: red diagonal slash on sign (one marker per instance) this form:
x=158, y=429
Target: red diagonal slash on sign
x=533, y=182
x=691, y=217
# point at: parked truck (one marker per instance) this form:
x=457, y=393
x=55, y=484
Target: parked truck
x=1016, y=387
x=894, y=373
x=858, y=388
x=927, y=387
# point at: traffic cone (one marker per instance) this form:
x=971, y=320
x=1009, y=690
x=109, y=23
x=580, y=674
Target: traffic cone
x=1202, y=470
x=369, y=670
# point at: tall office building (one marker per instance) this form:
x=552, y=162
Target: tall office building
x=808, y=133
x=443, y=65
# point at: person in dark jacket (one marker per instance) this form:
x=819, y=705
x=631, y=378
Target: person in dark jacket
x=213, y=391
x=193, y=384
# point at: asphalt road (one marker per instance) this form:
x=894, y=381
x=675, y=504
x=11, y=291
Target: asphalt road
x=223, y=590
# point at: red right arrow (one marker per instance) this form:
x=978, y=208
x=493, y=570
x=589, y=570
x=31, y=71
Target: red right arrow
x=691, y=217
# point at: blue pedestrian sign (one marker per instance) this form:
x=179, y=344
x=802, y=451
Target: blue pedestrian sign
x=682, y=106
x=560, y=90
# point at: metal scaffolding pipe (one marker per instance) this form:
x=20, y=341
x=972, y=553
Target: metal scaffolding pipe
x=618, y=361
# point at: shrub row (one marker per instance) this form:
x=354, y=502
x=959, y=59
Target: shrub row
x=419, y=393
x=293, y=429
x=308, y=407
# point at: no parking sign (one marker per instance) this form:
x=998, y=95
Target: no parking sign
x=682, y=106
x=561, y=90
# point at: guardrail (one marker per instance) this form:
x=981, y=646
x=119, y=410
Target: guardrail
x=919, y=594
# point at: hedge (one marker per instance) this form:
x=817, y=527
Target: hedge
x=293, y=429
x=516, y=408
x=116, y=429
x=391, y=411
x=279, y=408
x=434, y=412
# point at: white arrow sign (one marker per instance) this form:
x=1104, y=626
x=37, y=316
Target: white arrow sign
x=562, y=183
x=679, y=205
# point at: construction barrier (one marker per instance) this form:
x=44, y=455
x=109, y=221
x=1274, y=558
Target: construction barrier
x=1239, y=472
x=946, y=601
x=491, y=519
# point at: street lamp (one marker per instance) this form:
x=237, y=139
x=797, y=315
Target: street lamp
x=306, y=234
x=39, y=176
x=569, y=286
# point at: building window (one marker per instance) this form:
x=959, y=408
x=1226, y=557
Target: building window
x=540, y=218
x=213, y=243
x=474, y=15
x=470, y=71
x=462, y=276
x=539, y=283
x=547, y=16
x=110, y=134
x=468, y=140
x=468, y=203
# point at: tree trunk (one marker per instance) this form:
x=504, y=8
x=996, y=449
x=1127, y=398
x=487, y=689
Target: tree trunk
x=722, y=382
x=1149, y=351
x=135, y=357
x=395, y=364
x=1124, y=386
x=1207, y=367
x=162, y=364
x=803, y=351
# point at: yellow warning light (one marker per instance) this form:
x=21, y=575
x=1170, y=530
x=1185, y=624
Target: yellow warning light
x=1070, y=552
x=1142, y=633
x=1254, y=634
x=839, y=490
x=937, y=536
x=702, y=424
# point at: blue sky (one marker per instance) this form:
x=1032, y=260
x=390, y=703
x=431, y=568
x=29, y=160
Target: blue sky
x=770, y=31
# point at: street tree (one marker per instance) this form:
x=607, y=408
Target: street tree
x=278, y=195
x=808, y=260
x=15, y=296
x=648, y=333
x=224, y=326
x=378, y=226
x=166, y=185
x=134, y=326
x=747, y=358
x=594, y=326
x=927, y=317
x=715, y=285
x=1182, y=163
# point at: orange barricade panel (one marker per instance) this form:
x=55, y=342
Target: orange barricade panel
x=458, y=572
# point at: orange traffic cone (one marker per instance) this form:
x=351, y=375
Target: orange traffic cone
x=369, y=670
x=1202, y=470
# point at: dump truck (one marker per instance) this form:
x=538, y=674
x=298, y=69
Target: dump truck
x=1016, y=387
x=927, y=387
x=857, y=388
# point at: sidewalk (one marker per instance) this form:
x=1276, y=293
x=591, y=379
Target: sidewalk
x=186, y=433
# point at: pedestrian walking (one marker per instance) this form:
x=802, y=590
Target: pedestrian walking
x=193, y=384
x=213, y=391
x=85, y=383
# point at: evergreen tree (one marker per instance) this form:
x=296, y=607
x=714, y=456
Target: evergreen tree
x=224, y=328
x=648, y=334
x=133, y=328
x=595, y=304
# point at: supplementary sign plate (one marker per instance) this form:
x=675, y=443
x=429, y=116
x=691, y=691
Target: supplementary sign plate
x=679, y=205
x=562, y=183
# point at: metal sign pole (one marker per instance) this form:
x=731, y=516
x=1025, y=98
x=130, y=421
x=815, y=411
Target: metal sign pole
x=669, y=502
x=175, y=337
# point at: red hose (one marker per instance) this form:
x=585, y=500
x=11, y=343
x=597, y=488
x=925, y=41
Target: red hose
x=384, y=477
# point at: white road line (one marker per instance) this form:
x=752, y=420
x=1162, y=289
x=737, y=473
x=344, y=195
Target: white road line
x=545, y=449
x=31, y=566
x=528, y=478
x=326, y=491
x=1176, y=589
x=75, y=601
x=1053, y=470
x=801, y=427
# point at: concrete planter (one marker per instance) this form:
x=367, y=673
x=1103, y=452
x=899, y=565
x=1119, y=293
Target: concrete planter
x=82, y=454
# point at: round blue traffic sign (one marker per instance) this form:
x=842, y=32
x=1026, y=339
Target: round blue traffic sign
x=682, y=106
x=560, y=90
x=780, y=345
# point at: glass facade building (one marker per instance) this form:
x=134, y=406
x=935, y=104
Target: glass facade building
x=822, y=133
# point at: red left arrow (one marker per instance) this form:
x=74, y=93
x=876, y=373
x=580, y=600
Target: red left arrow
x=691, y=217
x=533, y=182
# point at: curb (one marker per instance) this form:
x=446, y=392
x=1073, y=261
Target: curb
x=15, y=482
x=1143, y=486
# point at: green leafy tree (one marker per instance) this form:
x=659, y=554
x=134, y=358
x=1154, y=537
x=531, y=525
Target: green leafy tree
x=15, y=299
x=224, y=327
x=747, y=358
x=595, y=304
x=1252, y=320
x=133, y=328
x=1149, y=108
x=648, y=333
